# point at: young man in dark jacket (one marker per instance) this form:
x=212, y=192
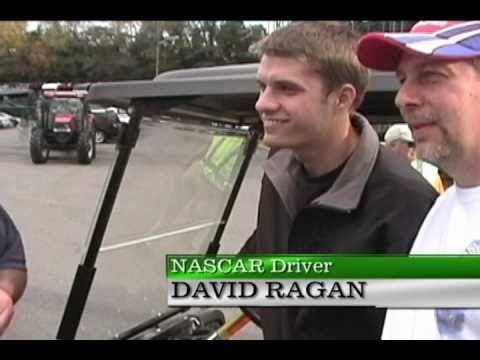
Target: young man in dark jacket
x=328, y=185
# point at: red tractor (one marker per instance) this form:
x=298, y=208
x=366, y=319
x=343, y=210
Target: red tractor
x=65, y=124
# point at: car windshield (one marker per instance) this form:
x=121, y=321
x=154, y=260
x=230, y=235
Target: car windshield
x=174, y=191
x=65, y=105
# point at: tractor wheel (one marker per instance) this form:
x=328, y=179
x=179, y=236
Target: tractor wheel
x=38, y=147
x=86, y=149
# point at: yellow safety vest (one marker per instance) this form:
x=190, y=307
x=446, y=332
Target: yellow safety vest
x=430, y=173
x=223, y=160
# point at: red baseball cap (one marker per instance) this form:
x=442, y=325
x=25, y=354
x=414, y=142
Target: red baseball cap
x=449, y=40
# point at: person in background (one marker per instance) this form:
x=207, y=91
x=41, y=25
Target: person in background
x=399, y=138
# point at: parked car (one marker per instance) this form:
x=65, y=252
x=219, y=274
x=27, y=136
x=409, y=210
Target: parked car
x=122, y=115
x=8, y=121
x=18, y=102
x=107, y=123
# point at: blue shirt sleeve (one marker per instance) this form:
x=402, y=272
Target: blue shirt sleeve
x=12, y=254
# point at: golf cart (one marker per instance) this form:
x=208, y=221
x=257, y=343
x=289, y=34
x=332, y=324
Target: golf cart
x=160, y=199
x=64, y=124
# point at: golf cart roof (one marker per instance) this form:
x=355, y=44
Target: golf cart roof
x=218, y=80
x=82, y=86
x=230, y=90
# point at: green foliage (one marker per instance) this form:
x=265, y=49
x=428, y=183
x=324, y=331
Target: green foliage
x=81, y=51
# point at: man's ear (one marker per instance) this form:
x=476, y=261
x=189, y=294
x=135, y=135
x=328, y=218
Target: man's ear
x=346, y=95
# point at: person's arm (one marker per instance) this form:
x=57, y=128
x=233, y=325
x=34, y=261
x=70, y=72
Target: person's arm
x=13, y=268
x=12, y=286
x=13, y=282
x=6, y=310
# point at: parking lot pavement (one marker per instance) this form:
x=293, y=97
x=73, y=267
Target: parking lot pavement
x=54, y=205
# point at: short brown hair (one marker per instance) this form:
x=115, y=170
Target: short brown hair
x=328, y=46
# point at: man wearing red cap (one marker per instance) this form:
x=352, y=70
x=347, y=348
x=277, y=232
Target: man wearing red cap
x=438, y=65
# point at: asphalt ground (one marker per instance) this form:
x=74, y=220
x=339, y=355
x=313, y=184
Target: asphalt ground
x=55, y=204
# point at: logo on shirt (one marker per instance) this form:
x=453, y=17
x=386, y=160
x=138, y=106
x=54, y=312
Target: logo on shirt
x=473, y=248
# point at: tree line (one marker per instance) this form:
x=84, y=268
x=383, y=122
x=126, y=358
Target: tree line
x=85, y=51
x=79, y=51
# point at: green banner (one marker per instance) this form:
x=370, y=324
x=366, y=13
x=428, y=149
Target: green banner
x=323, y=267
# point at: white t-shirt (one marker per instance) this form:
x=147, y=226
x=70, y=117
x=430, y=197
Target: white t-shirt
x=450, y=227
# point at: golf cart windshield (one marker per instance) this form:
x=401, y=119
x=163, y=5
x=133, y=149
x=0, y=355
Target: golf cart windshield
x=189, y=158
x=173, y=194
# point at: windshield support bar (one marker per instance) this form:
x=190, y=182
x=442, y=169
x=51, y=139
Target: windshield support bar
x=214, y=246
x=86, y=271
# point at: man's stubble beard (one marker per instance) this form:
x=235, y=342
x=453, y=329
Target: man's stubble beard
x=438, y=154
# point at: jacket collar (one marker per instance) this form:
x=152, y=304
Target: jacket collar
x=283, y=170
